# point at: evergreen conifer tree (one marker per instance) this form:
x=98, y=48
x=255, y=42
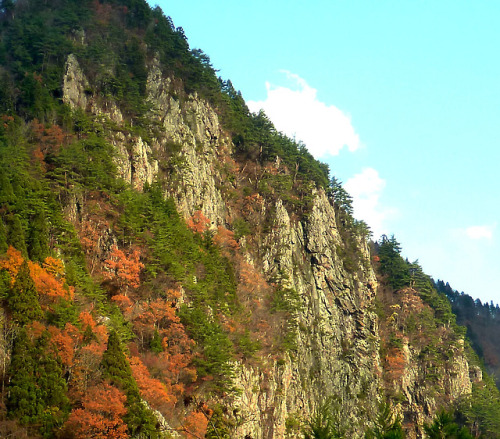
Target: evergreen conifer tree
x=37, y=389
x=22, y=298
x=38, y=247
x=155, y=344
x=6, y=192
x=218, y=426
x=445, y=427
x=51, y=384
x=385, y=427
x=392, y=264
x=15, y=235
x=3, y=238
x=23, y=400
x=140, y=420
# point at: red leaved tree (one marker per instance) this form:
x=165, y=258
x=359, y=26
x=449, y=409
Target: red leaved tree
x=198, y=222
x=156, y=393
x=48, y=279
x=12, y=262
x=101, y=415
x=90, y=344
x=124, y=270
x=195, y=425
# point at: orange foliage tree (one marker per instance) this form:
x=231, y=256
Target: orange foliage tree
x=50, y=289
x=49, y=139
x=156, y=393
x=147, y=317
x=396, y=363
x=90, y=343
x=48, y=279
x=101, y=415
x=224, y=238
x=158, y=317
x=63, y=342
x=195, y=425
x=124, y=270
x=12, y=262
x=198, y=222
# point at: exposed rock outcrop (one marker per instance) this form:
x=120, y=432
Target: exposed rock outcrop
x=75, y=84
x=336, y=329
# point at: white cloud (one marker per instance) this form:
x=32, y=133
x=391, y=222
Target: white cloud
x=298, y=113
x=366, y=189
x=480, y=232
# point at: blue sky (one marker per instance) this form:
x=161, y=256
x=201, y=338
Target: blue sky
x=407, y=95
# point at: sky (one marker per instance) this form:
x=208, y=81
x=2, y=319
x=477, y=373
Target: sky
x=400, y=98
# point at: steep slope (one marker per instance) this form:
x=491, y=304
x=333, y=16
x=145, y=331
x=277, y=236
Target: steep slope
x=184, y=253
x=481, y=321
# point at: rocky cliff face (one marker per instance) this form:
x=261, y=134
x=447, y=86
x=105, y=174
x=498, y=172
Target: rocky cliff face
x=335, y=328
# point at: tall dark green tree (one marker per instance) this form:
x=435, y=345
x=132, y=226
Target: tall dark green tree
x=386, y=426
x=218, y=426
x=52, y=386
x=140, y=421
x=37, y=389
x=392, y=264
x=326, y=422
x=481, y=410
x=23, y=401
x=6, y=192
x=15, y=234
x=340, y=196
x=38, y=246
x=3, y=238
x=7, y=8
x=22, y=299
x=445, y=427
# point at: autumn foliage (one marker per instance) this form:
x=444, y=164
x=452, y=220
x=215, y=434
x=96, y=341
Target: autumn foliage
x=124, y=269
x=156, y=393
x=198, y=223
x=90, y=341
x=100, y=417
x=12, y=262
x=48, y=138
x=395, y=364
x=172, y=366
x=195, y=425
x=48, y=279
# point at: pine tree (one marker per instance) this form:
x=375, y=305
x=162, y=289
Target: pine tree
x=38, y=247
x=15, y=235
x=116, y=369
x=51, y=384
x=22, y=298
x=444, y=426
x=24, y=399
x=218, y=426
x=3, y=238
x=37, y=389
x=6, y=192
x=392, y=264
x=326, y=423
x=385, y=427
x=156, y=343
x=340, y=196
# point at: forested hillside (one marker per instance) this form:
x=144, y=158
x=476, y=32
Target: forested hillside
x=172, y=266
x=482, y=321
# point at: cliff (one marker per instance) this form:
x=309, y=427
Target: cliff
x=336, y=330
